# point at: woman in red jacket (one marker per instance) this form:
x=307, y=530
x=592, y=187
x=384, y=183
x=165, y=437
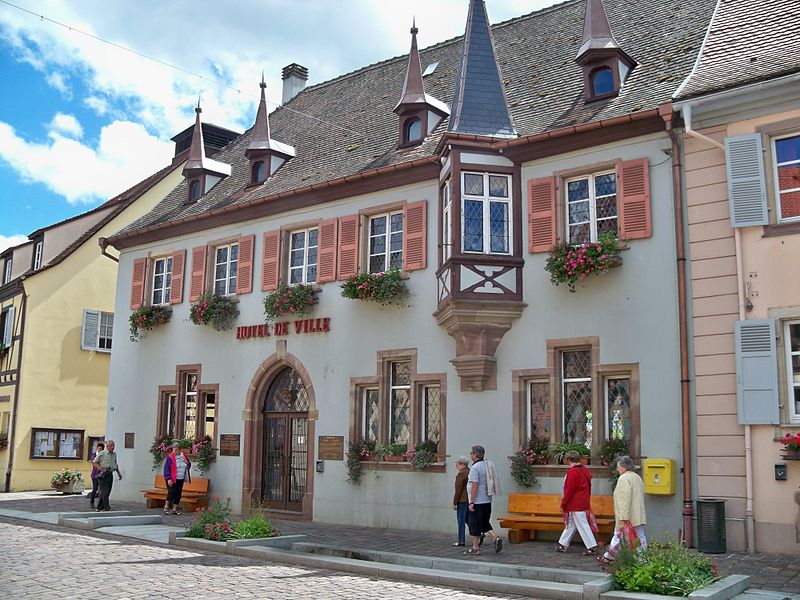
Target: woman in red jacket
x=576, y=506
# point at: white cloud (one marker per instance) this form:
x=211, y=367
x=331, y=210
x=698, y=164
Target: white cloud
x=97, y=104
x=65, y=125
x=124, y=155
x=6, y=241
x=57, y=81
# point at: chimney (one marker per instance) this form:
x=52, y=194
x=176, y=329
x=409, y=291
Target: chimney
x=294, y=81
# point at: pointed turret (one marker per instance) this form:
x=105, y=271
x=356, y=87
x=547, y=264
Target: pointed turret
x=202, y=172
x=605, y=64
x=479, y=102
x=419, y=113
x=266, y=155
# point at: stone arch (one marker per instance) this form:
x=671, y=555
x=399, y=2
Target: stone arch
x=252, y=472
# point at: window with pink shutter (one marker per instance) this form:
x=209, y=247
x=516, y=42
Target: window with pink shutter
x=137, y=283
x=326, y=268
x=414, y=242
x=634, y=199
x=348, y=247
x=197, y=285
x=270, y=258
x=244, y=282
x=541, y=214
x=176, y=284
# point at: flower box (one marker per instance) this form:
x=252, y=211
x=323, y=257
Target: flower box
x=73, y=487
x=383, y=288
x=147, y=318
x=572, y=264
x=394, y=458
x=290, y=301
x=214, y=310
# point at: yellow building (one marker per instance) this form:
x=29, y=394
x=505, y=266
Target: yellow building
x=56, y=319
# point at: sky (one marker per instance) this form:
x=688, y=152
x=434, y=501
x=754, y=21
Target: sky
x=82, y=120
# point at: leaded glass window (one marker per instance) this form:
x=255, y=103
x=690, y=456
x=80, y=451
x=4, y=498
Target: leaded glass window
x=287, y=393
x=225, y=269
x=211, y=414
x=447, y=238
x=618, y=408
x=386, y=242
x=190, y=406
x=431, y=413
x=370, y=411
x=591, y=207
x=576, y=377
x=162, y=280
x=303, y=256
x=399, y=401
x=486, y=213
x=539, y=409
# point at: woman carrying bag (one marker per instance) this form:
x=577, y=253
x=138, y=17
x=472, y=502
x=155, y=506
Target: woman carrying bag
x=176, y=472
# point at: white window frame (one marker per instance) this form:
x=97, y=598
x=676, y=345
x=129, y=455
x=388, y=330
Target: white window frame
x=37, y=255
x=775, y=166
x=592, y=202
x=487, y=201
x=388, y=234
x=229, y=287
x=447, y=231
x=304, y=267
x=166, y=281
x=7, y=334
x=97, y=331
x=187, y=396
x=794, y=416
x=7, y=270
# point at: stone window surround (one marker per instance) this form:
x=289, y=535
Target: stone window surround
x=783, y=316
x=768, y=132
x=552, y=373
x=57, y=432
x=381, y=382
x=203, y=389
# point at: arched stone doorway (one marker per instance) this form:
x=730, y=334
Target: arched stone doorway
x=279, y=421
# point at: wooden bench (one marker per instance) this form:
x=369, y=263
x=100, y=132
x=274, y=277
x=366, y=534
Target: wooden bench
x=542, y=512
x=194, y=493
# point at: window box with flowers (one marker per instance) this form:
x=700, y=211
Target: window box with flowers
x=290, y=300
x=791, y=446
x=162, y=445
x=146, y=318
x=358, y=452
x=384, y=288
x=67, y=481
x=534, y=452
x=392, y=452
x=572, y=264
x=204, y=454
x=214, y=310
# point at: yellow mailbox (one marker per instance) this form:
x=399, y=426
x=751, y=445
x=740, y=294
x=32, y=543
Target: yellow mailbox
x=659, y=476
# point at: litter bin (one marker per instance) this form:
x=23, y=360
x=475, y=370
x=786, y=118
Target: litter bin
x=711, y=526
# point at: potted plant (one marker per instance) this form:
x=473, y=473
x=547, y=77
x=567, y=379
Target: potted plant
x=571, y=264
x=214, y=310
x=358, y=452
x=791, y=446
x=423, y=454
x=384, y=288
x=611, y=449
x=146, y=318
x=162, y=445
x=559, y=451
x=394, y=452
x=205, y=454
x=294, y=300
x=68, y=481
x=533, y=452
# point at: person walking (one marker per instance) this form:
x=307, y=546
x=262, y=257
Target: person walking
x=482, y=484
x=461, y=500
x=176, y=471
x=106, y=463
x=628, y=510
x=576, y=506
x=95, y=472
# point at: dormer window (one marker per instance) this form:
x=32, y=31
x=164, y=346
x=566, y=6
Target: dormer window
x=602, y=80
x=258, y=172
x=7, y=266
x=195, y=191
x=413, y=131
x=38, y=249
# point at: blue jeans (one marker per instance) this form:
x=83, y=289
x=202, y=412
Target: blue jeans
x=461, y=519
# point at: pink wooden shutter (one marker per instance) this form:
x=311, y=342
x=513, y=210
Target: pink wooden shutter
x=244, y=272
x=176, y=286
x=348, y=247
x=326, y=263
x=197, y=285
x=137, y=283
x=633, y=199
x=270, y=260
x=414, y=239
x=541, y=214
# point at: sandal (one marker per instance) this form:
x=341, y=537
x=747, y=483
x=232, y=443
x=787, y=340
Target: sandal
x=176, y=512
x=166, y=511
x=590, y=551
x=459, y=544
x=560, y=548
x=471, y=551
x=603, y=560
x=498, y=545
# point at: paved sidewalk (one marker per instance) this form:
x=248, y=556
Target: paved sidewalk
x=778, y=572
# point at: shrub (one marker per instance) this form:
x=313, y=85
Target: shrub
x=295, y=300
x=533, y=452
x=667, y=568
x=205, y=454
x=570, y=264
x=420, y=458
x=211, y=309
x=612, y=449
x=253, y=528
x=212, y=522
x=384, y=288
x=357, y=452
x=146, y=318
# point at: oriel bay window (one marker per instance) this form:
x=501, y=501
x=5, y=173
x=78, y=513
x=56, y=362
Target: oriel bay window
x=189, y=408
x=576, y=399
x=486, y=213
x=400, y=405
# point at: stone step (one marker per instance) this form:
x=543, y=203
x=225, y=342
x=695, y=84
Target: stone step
x=94, y=513
x=97, y=522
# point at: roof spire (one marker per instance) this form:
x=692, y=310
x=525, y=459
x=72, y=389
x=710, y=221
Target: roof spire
x=259, y=138
x=197, y=151
x=596, y=30
x=479, y=102
x=413, y=88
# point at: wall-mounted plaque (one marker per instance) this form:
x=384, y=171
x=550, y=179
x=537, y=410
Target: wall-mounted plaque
x=129, y=440
x=229, y=444
x=5, y=398
x=331, y=447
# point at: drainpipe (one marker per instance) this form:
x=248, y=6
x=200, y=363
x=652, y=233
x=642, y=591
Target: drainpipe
x=667, y=114
x=13, y=429
x=103, y=243
x=750, y=530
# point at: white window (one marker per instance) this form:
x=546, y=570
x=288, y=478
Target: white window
x=190, y=406
x=447, y=237
x=303, y=246
x=386, y=242
x=37, y=256
x=97, y=330
x=7, y=270
x=787, y=176
x=792, y=337
x=370, y=414
x=591, y=207
x=225, y=268
x=486, y=213
x=6, y=327
x=162, y=280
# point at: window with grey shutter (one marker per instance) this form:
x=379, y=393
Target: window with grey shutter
x=8, y=328
x=756, y=372
x=747, y=190
x=91, y=328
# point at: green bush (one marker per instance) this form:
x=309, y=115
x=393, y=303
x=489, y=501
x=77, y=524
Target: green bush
x=255, y=527
x=666, y=568
x=212, y=522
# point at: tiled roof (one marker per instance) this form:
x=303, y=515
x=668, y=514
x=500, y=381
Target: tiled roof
x=748, y=42
x=346, y=126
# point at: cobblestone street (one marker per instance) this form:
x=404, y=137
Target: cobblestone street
x=44, y=562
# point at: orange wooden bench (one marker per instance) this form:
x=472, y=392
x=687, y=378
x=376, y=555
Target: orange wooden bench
x=194, y=494
x=542, y=512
